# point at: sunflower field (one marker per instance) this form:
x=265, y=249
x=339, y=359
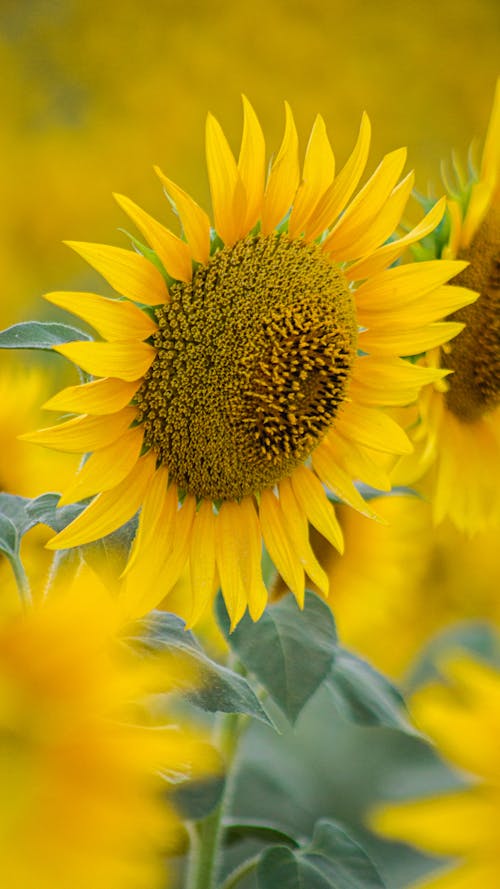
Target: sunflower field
x=250, y=445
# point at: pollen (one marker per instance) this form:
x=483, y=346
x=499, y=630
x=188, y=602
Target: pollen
x=253, y=360
x=474, y=356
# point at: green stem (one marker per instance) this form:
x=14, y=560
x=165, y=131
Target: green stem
x=209, y=831
x=246, y=867
x=22, y=583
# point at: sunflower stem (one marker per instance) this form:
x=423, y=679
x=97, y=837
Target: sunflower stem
x=204, y=863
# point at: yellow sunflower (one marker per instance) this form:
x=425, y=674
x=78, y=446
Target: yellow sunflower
x=459, y=433
x=248, y=366
x=463, y=718
x=83, y=802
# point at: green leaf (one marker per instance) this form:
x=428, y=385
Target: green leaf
x=39, y=335
x=108, y=556
x=43, y=510
x=9, y=538
x=333, y=860
x=476, y=638
x=290, y=651
x=236, y=829
x=216, y=687
x=15, y=508
x=363, y=695
x=280, y=866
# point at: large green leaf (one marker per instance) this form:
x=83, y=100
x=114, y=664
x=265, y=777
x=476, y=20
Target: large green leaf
x=216, y=687
x=333, y=860
x=363, y=695
x=289, y=651
x=39, y=335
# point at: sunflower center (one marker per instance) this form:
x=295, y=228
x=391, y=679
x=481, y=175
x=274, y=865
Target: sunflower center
x=253, y=361
x=474, y=355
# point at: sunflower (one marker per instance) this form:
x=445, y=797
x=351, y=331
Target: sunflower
x=458, y=436
x=463, y=718
x=83, y=801
x=248, y=366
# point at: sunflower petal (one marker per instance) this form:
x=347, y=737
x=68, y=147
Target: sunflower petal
x=194, y=220
x=297, y=528
x=174, y=254
x=83, y=434
x=251, y=565
x=110, y=510
x=374, y=429
x=226, y=188
x=129, y=274
x=402, y=284
x=325, y=464
x=112, y=318
x=279, y=545
x=312, y=498
x=180, y=544
x=126, y=361
x=318, y=173
x=106, y=468
x=387, y=254
x=202, y=560
x=442, y=301
x=333, y=202
x=100, y=397
x=283, y=178
x=251, y=164
x=229, y=535
x=408, y=342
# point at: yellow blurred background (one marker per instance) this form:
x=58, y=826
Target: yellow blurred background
x=95, y=93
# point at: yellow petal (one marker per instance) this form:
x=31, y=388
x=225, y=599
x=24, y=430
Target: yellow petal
x=326, y=465
x=126, y=361
x=366, y=206
x=180, y=544
x=279, y=545
x=312, y=498
x=128, y=273
x=229, y=537
x=155, y=523
x=105, y=396
x=202, y=560
x=83, y=434
x=194, y=220
x=333, y=202
x=441, y=302
x=374, y=429
x=318, y=173
x=379, y=229
x=226, y=188
x=391, y=381
x=174, y=254
x=298, y=531
x=110, y=510
x=106, y=468
x=283, y=178
x=114, y=319
x=408, y=342
x=251, y=565
x=387, y=254
x=359, y=465
x=402, y=284
x=251, y=164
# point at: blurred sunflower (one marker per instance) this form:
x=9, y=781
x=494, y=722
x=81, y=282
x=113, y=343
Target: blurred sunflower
x=250, y=365
x=459, y=433
x=405, y=580
x=463, y=718
x=83, y=801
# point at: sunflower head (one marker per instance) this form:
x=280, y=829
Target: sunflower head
x=249, y=365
